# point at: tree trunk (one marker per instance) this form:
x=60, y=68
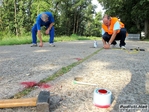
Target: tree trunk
x=77, y=23
x=29, y=8
x=15, y=16
x=146, y=29
x=74, y=23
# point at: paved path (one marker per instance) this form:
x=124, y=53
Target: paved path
x=124, y=72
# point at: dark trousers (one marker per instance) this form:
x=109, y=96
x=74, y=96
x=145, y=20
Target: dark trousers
x=34, y=32
x=120, y=36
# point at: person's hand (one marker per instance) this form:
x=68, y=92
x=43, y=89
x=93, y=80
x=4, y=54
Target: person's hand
x=47, y=32
x=41, y=44
x=106, y=46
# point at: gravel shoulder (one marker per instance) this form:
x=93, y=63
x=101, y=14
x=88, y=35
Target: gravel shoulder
x=124, y=72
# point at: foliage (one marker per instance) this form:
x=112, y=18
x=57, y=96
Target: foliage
x=15, y=40
x=71, y=16
x=133, y=13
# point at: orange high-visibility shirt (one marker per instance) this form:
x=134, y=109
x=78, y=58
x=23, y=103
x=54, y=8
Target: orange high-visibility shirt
x=111, y=27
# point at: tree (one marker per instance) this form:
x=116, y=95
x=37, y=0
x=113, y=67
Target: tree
x=74, y=15
x=132, y=12
x=19, y=15
x=97, y=25
x=71, y=16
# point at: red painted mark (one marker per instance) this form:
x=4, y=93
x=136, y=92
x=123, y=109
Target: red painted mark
x=33, y=84
x=29, y=84
x=44, y=85
x=102, y=106
x=78, y=59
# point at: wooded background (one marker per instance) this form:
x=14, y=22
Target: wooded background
x=72, y=16
x=134, y=13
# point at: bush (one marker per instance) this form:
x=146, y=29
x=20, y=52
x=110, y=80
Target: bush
x=74, y=35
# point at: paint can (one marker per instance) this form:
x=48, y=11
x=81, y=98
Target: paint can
x=102, y=98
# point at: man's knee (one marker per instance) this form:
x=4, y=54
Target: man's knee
x=103, y=37
x=123, y=31
x=106, y=37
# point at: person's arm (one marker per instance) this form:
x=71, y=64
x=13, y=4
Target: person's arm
x=49, y=28
x=113, y=36
x=107, y=46
x=38, y=22
x=115, y=30
x=104, y=42
x=40, y=38
x=102, y=32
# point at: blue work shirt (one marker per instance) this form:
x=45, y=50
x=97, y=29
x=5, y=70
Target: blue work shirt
x=40, y=22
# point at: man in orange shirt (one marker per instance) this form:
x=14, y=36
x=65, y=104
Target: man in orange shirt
x=112, y=30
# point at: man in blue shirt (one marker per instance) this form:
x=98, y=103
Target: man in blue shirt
x=44, y=19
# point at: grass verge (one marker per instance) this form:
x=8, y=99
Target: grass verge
x=28, y=39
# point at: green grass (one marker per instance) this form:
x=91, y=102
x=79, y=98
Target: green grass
x=145, y=39
x=28, y=39
x=15, y=40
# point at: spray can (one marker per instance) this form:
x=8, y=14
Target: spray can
x=95, y=43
